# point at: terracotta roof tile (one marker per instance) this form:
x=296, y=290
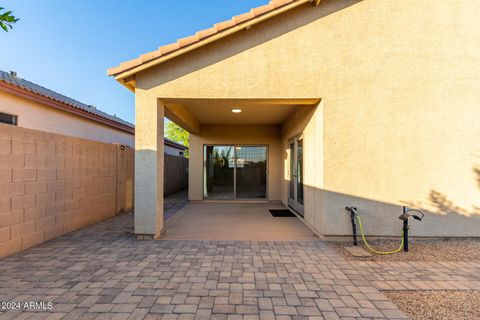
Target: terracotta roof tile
x=225, y=24
x=169, y=48
x=279, y=3
x=206, y=32
x=149, y=56
x=130, y=64
x=187, y=40
x=263, y=9
x=244, y=17
x=200, y=35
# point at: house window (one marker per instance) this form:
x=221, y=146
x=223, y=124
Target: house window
x=8, y=119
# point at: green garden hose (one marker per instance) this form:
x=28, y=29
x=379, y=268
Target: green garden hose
x=369, y=247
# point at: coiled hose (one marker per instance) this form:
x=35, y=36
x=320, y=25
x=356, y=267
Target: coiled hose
x=369, y=247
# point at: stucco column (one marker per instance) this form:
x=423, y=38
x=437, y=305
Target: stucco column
x=148, y=165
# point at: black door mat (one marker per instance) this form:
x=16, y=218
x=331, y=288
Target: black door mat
x=281, y=213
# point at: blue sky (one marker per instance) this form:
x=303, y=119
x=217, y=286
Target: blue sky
x=67, y=46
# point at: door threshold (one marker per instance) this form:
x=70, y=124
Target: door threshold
x=295, y=212
x=233, y=201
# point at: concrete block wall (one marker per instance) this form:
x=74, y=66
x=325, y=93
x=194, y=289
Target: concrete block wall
x=52, y=184
x=175, y=174
x=125, y=178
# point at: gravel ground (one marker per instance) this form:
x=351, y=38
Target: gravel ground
x=433, y=305
x=430, y=250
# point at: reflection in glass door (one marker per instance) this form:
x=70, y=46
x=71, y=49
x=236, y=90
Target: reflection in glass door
x=219, y=172
x=235, y=172
x=291, y=184
x=300, y=172
x=295, y=186
x=251, y=172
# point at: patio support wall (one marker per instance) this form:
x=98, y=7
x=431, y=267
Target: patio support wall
x=148, y=165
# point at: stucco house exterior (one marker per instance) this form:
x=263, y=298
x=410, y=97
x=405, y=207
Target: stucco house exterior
x=321, y=105
x=36, y=107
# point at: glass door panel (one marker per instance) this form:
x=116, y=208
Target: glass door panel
x=295, y=185
x=300, y=171
x=291, y=189
x=219, y=172
x=251, y=172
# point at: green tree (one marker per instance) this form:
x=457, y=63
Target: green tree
x=7, y=19
x=177, y=134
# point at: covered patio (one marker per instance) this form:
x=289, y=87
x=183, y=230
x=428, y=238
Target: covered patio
x=234, y=221
x=240, y=163
x=247, y=120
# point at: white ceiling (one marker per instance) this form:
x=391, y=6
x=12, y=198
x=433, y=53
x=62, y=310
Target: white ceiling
x=254, y=112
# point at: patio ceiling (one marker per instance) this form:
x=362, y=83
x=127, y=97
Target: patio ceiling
x=191, y=113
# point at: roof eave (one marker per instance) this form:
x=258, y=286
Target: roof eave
x=174, y=145
x=119, y=76
x=130, y=85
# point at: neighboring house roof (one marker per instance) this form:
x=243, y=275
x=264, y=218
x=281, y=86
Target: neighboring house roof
x=11, y=83
x=203, y=37
x=174, y=144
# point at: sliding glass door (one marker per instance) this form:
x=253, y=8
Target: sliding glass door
x=235, y=172
x=295, y=186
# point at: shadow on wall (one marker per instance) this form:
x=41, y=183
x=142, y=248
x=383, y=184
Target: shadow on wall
x=443, y=218
x=381, y=218
x=445, y=206
x=146, y=221
x=439, y=203
x=330, y=217
x=242, y=41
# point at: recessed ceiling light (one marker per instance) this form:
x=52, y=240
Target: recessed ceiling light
x=236, y=110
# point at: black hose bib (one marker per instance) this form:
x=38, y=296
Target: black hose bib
x=405, y=234
x=354, y=226
x=405, y=215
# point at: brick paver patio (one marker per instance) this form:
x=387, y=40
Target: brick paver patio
x=421, y=275
x=103, y=272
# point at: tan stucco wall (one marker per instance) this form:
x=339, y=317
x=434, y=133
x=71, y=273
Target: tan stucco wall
x=149, y=164
x=36, y=116
x=399, y=87
x=52, y=184
x=243, y=135
x=309, y=122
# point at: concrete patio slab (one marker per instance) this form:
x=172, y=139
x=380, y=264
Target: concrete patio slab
x=234, y=221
